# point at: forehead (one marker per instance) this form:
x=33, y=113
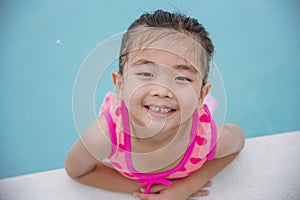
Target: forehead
x=163, y=43
x=160, y=57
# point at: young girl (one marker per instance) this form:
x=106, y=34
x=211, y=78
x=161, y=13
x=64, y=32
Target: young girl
x=156, y=134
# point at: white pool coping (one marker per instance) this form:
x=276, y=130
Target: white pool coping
x=267, y=169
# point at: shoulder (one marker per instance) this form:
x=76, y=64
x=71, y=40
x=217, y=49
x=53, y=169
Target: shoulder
x=230, y=139
x=97, y=140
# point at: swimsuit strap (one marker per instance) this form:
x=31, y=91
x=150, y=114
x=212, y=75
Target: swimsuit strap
x=112, y=130
x=213, y=143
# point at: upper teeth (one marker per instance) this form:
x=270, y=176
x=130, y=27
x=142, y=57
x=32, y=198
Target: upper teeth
x=158, y=109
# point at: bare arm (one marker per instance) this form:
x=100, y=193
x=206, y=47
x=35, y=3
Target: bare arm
x=93, y=146
x=98, y=175
x=107, y=178
x=83, y=162
x=230, y=140
x=230, y=143
x=198, y=179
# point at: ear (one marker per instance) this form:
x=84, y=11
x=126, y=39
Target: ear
x=118, y=83
x=204, y=91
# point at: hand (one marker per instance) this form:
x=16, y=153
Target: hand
x=174, y=192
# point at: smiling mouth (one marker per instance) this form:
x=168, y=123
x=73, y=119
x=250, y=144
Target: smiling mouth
x=160, y=109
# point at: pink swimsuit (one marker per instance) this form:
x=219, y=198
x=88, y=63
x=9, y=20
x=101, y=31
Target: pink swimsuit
x=201, y=147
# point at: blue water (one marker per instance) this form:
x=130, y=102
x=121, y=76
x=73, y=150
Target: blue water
x=43, y=44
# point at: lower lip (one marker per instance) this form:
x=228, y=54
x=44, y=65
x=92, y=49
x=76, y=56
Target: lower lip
x=159, y=114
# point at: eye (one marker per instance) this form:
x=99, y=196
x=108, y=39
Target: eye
x=145, y=74
x=183, y=78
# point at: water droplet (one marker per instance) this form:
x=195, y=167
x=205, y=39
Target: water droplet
x=59, y=42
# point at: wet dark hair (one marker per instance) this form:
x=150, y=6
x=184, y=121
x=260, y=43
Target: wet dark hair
x=173, y=21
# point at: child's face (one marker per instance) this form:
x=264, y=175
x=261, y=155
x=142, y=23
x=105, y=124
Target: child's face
x=160, y=89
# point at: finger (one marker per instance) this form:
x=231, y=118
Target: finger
x=154, y=189
x=157, y=188
x=139, y=195
x=143, y=196
x=208, y=184
x=200, y=193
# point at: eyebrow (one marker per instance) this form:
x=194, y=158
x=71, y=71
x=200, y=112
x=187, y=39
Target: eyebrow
x=177, y=67
x=186, y=68
x=143, y=62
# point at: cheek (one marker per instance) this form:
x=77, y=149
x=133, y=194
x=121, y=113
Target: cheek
x=130, y=88
x=134, y=94
x=188, y=101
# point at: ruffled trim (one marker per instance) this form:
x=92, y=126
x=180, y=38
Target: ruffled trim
x=211, y=103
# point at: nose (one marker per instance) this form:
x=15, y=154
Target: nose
x=161, y=91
